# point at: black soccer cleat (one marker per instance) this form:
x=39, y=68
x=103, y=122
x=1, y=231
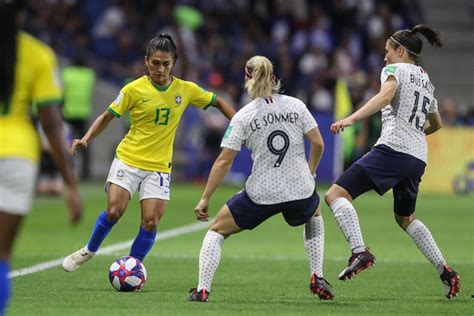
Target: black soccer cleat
x=451, y=281
x=358, y=262
x=321, y=288
x=198, y=296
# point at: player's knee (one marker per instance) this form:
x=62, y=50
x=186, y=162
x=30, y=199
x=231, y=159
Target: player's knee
x=404, y=221
x=216, y=227
x=4, y=255
x=114, y=214
x=150, y=225
x=329, y=197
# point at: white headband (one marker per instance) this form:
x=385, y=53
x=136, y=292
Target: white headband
x=391, y=37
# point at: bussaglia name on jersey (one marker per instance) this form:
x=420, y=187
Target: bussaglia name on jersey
x=420, y=82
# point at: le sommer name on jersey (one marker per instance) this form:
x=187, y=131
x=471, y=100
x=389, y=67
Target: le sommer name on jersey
x=271, y=118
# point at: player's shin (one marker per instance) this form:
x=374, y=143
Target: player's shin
x=143, y=243
x=209, y=258
x=346, y=217
x=101, y=229
x=314, y=244
x=426, y=243
x=5, y=286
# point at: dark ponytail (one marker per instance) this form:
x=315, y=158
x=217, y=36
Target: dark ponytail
x=8, y=32
x=164, y=43
x=412, y=43
x=432, y=36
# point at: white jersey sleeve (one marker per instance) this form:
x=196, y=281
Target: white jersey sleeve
x=390, y=70
x=404, y=118
x=307, y=121
x=234, y=136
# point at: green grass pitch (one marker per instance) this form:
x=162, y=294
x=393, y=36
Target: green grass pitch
x=262, y=272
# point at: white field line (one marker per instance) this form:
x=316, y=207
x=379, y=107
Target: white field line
x=183, y=230
x=175, y=232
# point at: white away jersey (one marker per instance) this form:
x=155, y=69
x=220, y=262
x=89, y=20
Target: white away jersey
x=404, y=118
x=274, y=132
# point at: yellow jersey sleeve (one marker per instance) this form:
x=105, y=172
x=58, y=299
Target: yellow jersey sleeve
x=46, y=89
x=199, y=96
x=122, y=102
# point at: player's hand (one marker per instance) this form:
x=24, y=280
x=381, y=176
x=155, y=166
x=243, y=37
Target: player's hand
x=201, y=210
x=339, y=126
x=75, y=205
x=75, y=143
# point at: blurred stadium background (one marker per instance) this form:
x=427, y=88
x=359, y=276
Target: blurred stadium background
x=328, y=53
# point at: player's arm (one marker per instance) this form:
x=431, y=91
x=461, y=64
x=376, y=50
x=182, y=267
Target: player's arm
x=218, y=172
x=433, y=123
x=316, y=149
x=51, y=123
x=96, y=128
x=224, y=107
x=375, y=104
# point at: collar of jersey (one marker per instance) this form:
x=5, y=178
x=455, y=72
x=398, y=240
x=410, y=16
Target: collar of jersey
x=161, y=89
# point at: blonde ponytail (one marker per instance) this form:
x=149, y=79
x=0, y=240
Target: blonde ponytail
x=261, y=81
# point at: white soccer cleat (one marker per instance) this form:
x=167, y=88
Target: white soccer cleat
x=75, y=260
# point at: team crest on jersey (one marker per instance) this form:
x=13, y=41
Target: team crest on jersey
x=178, y=99
x=120, y=173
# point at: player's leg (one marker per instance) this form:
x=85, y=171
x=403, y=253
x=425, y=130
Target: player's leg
x=117, y=202
x=314, y=244
x=308, y=212
x=154, y=196
x=405, y=194
x=210, y=255
x=352, y=183
x=9, y=225
x=17, y=185
x=151, y=211
x=118, y=199
x=122, y=182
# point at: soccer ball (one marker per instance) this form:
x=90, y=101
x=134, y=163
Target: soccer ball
x=127, y=274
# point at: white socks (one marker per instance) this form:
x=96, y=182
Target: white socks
x=209, y=258
x=346, y=218
x=425, y=242
x=314, y=243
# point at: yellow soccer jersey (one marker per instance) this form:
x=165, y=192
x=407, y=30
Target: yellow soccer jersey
x=155, y=114
x=36, y=81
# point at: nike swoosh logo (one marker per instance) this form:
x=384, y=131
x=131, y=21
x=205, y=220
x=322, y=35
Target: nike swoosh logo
x=145, y=100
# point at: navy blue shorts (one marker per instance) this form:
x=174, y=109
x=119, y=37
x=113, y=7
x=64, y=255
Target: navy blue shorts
x=383, y=169
x=248, y=215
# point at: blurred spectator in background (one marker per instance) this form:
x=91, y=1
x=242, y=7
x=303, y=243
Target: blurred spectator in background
x=50, y=181
x=214, y=127
x=366, y=131
x=299, y=35
x=79, y=81
x=449, y=113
